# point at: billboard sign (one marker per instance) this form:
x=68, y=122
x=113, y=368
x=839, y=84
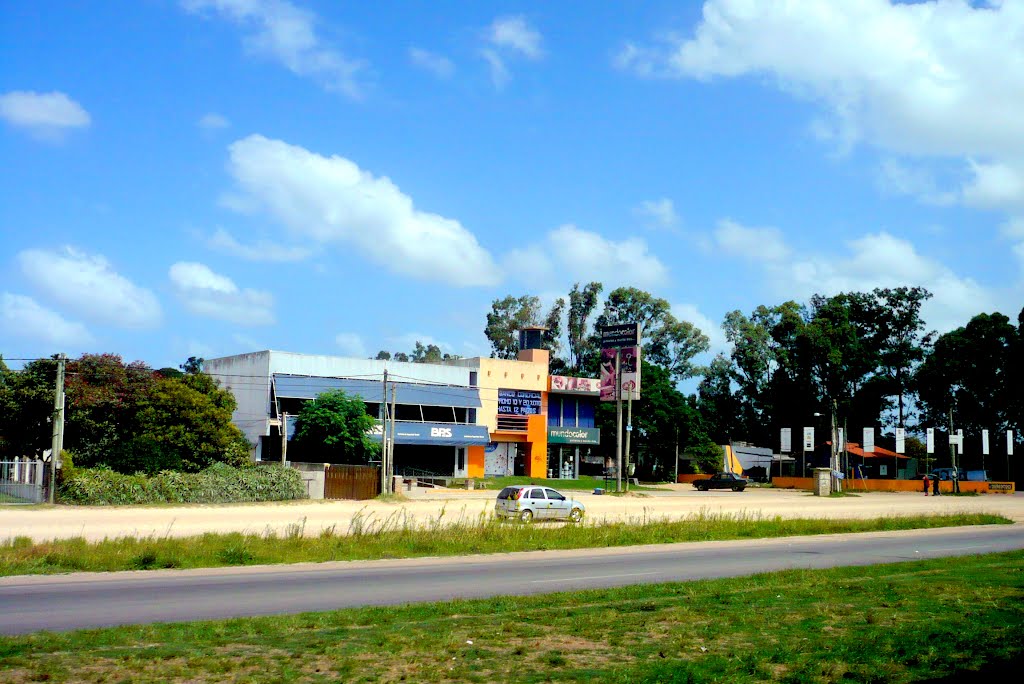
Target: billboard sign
x=562, y=383
x=619, y=336
x=808, y=439
x=574, y=435
x=931, y=440
x=629, y=371
x=869, y=440
x=518, y=402
x=901, y=441
x=786, y=440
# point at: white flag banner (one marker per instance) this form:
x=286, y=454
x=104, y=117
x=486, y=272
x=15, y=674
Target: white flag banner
x=869, y=440
x=984, y=442
x=931, y=440
x=901, y=440
x=959, y=441
x=842, y=440
x=1009, y=442
x=786, y=440
x=808, y=439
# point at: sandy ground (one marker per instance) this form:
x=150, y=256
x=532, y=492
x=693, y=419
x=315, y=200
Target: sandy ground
x=425, y=508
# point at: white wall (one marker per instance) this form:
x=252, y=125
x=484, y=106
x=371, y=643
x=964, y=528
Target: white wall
x=341, y=367
x=247, y=376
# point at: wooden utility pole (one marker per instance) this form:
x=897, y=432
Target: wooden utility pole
x=57, y=442
x=384, y=432
x=629, y=433
x=284, y=438
x=391, y=439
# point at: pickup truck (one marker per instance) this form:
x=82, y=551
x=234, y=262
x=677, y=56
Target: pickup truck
x=731, y=481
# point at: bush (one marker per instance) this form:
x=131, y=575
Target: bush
x=220, y=483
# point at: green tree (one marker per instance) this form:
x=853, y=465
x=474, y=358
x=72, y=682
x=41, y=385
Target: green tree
x=428, y=354
x=383, y=355
x=26, y=407
x=333, y=428
x=582, y=349
x=510, y=315
x=193, y=365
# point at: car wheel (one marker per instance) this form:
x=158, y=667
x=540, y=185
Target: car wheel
x=702, y=488
x=526, y=516
x=575, y=515
x=737, y=488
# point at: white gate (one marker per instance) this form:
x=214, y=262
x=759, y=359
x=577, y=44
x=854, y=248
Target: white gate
x=21, y=481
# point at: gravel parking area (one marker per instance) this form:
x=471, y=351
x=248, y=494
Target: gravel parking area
x=424, y=506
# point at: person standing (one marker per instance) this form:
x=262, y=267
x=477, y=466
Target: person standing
x=925, y=481
x=935, y=485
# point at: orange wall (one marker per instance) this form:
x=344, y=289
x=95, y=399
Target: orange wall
x=537, y=436
x=475, y=461
x=690, y=477
x=882, y=485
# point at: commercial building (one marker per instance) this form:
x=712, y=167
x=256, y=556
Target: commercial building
x=473, y=417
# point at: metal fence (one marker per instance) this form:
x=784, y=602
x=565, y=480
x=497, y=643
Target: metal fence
x=21, y=481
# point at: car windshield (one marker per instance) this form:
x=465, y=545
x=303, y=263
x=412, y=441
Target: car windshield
x=509, y=493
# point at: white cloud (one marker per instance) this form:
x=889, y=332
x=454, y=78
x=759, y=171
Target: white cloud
x=514, y=34
x=660, y=213
x=351, y=344
x=438, y=65
x=332, y=200
x=261, y=250
x=407, y=342
x=714, y=332
x=996, y=185
x=1014, y=228
x=753, y=243
x=896, y=177
x=87, y=285
x=507, y=38
x=24, y=317
x=213, y=122
x=46, y=115
x=287, y=34
x=210, y=294
x=570, y=254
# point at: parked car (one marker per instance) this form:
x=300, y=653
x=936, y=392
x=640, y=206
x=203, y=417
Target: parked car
x=947, y=473
x=530, y=502
x=736, y=483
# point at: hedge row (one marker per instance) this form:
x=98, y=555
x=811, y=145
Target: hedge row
x=219, y=483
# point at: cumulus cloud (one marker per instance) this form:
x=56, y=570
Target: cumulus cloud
x=510, y=37
x=332, y=200
x=438, y=65
x=570, y=254
x=754, y=243
x=46, y=115
x=206, y=293
x=351, y=344
x=659, y=213
x=261, y=250
x=287, y=34
x=88, y=285
x=716, y=336
x=24, y=317
x=212, y=122
x=873, y=260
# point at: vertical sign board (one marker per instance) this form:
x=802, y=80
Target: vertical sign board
x=931, y=440
x=808, y=439
x=984, y=442
x=842, y=440
x=624, y=339
x=869, y=440
x=959, y=441
x=786, y=440
x=1009, y=442
x=901, y=441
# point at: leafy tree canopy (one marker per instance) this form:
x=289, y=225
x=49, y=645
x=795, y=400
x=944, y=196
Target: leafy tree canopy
x=333, y=428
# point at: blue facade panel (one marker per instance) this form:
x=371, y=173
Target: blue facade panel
x=304, y=387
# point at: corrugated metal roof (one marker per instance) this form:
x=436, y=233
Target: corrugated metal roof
x=303, y=387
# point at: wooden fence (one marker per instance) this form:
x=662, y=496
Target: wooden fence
x=351, y=482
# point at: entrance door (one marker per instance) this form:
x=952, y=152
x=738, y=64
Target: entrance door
x=520, y=460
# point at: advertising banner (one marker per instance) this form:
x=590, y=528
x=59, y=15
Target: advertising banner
x=901, y=441
x=619, y=336
x=561, y=383
x=518, y=402
x=869, y=440
x=842, y=440
x=786, y=440
x=984, y=442
x=808, y=439
x=1009, y=442
x=931, y=440
x=629, y=368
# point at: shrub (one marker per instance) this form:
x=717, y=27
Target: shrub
x=220, y=483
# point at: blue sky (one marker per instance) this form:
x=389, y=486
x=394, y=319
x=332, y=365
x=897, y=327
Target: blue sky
x=210, y=177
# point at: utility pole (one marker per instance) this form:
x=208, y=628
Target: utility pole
x=391, y=438
x=618, y=422
x=675, y=480
x=284, y=438
x=57, y=443
x=384, y=433
x=629, y=432
x=952, y=454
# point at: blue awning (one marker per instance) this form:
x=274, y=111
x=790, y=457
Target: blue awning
x=409, y=393
x=438, y=434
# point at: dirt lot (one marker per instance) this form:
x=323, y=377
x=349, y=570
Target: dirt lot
x=421, y=508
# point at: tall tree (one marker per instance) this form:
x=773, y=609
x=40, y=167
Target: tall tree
x=903, y=342
x=510, y=315
x=582, y=351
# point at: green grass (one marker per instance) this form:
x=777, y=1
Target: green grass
x=585, y=482
x=398, y=537
x=951, y=620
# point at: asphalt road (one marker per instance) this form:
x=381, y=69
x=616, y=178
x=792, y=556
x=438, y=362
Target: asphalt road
x=64, y=602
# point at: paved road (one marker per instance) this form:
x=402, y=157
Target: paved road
x=66, y=602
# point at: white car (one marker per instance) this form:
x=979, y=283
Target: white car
x=534, y=502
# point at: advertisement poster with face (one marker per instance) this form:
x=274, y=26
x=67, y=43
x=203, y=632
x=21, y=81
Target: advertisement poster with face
x=629, y=367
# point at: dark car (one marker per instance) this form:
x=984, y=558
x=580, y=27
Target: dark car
x=722, y=481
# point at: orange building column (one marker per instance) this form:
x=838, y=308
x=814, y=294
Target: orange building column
x=475, y=461
x=537, y=439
